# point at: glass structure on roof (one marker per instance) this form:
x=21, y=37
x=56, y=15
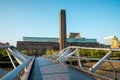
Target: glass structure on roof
x=48, y=39
x=84, y=40
x=40, y=39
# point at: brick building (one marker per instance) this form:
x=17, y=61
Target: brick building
x=38, y=45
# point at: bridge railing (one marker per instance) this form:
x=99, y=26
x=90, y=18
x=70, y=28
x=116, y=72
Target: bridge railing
x=21, y=72
x=87, y=63
x=71, y=54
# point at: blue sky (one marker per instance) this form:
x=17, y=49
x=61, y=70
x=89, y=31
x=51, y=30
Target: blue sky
x=40, y=18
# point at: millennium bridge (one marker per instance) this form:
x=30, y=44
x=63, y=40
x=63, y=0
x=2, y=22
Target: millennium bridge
x=58, y=66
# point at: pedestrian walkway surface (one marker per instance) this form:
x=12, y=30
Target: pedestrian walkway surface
x=44, y=69
x=3, y=72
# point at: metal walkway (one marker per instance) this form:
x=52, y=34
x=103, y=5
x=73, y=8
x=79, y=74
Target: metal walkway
x=44, y=69
x=41, y=68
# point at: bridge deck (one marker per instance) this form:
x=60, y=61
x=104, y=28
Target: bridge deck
x=44, y=69
x=2, y=72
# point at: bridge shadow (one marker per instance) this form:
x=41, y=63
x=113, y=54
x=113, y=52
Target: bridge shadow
x=35, y=72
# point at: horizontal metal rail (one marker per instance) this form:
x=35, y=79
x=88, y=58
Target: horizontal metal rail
x=97, y=59
x=109, y=49
x=70, y=55
x=7, y=46
x=82, y=58
x=18, y=72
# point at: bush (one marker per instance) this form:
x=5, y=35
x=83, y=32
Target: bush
x=50, y=51
x=3, y=55
x=92, y=53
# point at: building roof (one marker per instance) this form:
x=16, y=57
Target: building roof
x=110, y=37
x=84, y=40
x=40, y=39
x=49, y=39
x=73, y=35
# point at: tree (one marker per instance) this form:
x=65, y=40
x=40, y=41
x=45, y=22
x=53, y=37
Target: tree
x=92, y=53
x=50, y=51
x=24, y=51
x=3, y=55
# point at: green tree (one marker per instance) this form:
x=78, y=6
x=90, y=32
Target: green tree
x=24, y=51
x=3, y=54
x=92, y=53
x=50, y=51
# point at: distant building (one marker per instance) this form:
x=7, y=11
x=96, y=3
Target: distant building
x=111, y=42
x=115, y=43
x=108, y=40
x=73, y=35
x=38, y=45
x=2, y=44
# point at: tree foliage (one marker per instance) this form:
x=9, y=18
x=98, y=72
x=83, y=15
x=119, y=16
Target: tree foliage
x=3, y=54
x=50, y=51
x=92, y=53
x=116, y=54
x=24, y=51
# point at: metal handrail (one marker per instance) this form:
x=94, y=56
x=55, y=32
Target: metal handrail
x=109, y=61
x=114, y=72
x=18, y=72
x=6, y=46
x=68, y=55
x=74, y=57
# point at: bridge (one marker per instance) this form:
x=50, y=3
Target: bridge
x=59, y=66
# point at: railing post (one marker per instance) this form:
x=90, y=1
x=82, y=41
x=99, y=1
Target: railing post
x=70, y=61
x=115, y=76
x=79, y=61
x=10, y=58
x=100, y=62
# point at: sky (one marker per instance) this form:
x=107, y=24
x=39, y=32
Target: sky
x=40, y=18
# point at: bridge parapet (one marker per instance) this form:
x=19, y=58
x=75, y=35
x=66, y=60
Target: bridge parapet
x=20, y=72
x=71, y=54
x=20, y=58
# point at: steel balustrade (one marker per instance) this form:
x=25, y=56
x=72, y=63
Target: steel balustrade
x=18, y=72
x=23, y=70
x=68, y=53
x=20, y=57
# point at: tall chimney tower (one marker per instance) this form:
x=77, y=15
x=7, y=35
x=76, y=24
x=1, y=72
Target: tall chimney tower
x=62, y=29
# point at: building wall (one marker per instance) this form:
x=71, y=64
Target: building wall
x=73, y=35
x=36, y=48
x=3, y=44
x=108, y=40
x=115, y=43
x=39, y=48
